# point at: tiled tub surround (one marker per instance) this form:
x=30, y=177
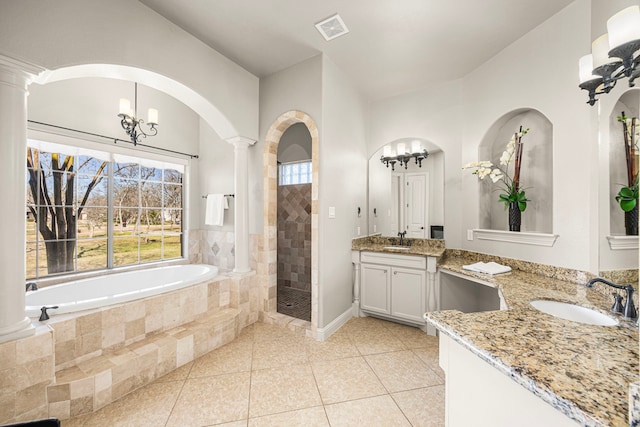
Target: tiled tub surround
x=377, y=243
x=582, y=370
x=77, y=363
x=212, y=247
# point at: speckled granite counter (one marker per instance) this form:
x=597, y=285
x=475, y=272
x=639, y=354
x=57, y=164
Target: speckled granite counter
x=425, y=247
x=582, y=370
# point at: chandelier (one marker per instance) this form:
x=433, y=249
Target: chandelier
x=133, y=125
x=612, y=55
x=402, y=156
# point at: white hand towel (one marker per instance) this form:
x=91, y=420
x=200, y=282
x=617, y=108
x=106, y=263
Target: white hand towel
x=487, y=267
x=214, y=212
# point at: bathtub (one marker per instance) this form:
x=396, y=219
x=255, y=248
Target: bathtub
x=116, y=288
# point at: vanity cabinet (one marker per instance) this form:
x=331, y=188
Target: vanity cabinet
x=396, y=286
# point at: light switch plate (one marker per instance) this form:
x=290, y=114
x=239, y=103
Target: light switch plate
x=358, y=231
x=469, y=234
x=332, y=212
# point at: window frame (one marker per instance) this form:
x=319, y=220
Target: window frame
x=282, y=172
x=181, y=166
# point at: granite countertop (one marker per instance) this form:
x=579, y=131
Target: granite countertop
x=422, y=247
x=582, y=370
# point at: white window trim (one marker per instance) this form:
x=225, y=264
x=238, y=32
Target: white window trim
x=86, y=146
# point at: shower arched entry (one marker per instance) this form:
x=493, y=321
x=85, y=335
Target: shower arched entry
x=272, y=141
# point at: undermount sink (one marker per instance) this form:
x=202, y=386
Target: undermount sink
x=573, y=312
x=397, y=248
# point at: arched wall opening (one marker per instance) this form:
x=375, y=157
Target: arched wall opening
x=204, y=108
x=270, y=177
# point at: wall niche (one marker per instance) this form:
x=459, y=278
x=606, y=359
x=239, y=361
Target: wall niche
x=536, y=173
x=629, y=102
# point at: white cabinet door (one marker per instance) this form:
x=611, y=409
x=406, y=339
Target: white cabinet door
x=408, y=299
x=375, y=292
x=416, y=204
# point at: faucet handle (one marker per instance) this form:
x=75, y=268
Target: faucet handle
x=617, y=305
x=630, y=311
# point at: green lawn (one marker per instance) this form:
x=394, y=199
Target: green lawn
x=92, y=248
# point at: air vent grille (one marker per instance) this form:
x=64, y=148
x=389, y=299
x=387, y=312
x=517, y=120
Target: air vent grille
x=332, y=27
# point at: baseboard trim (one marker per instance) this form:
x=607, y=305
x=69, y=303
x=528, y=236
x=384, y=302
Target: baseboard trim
x=323, y=333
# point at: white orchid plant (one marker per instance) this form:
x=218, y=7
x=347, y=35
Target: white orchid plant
x=510, y=185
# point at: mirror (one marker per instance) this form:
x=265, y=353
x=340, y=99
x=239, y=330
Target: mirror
x=410, y=199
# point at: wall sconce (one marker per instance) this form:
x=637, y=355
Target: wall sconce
x=612, y=55
x=400, y=155
x=131, y=124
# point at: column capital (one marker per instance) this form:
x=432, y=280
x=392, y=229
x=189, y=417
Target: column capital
x=241, y=141
x=18, y=72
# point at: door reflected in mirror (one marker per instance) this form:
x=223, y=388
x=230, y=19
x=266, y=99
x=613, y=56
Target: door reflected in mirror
x=407, y=199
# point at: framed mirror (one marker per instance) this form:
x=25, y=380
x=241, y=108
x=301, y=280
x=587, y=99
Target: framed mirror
x=407, y=197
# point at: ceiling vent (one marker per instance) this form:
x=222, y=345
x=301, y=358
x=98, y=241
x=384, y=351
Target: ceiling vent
x=332, y=27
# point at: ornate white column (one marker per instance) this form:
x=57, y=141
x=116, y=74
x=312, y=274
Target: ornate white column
x=15, y=75
x=241, y=209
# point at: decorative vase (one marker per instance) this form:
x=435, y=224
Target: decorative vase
x=631, y=221
x=515, y=217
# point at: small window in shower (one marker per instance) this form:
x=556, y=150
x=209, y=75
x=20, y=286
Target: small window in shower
x=294, y=173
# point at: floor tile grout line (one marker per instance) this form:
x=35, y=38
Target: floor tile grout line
x=173, y=407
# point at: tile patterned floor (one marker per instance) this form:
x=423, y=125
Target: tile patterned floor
x=294, y=302
x=369, y=373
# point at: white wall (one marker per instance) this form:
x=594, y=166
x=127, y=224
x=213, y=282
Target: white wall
x=73, y=32
x=295, y=88
x=215, y=174
x=295, y=144
x=608, y=130
x=343, y=185
x=91, y=105
x=540, y=71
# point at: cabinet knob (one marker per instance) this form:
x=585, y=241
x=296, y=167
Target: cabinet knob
x=395, y=272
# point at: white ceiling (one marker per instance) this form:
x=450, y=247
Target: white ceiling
x=393, y=47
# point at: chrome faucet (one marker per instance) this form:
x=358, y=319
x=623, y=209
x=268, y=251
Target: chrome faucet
x=32, y=285
x=401, y=235
x=629, y=311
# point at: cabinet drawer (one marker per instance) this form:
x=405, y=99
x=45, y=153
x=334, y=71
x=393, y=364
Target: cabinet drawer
x=393, y=260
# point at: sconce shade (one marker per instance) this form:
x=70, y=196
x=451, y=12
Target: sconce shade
x=585, y=65
x=600, y=51
x=401, y=148
x=624, y=26
x=153, y=116
x=386, y=151
x=125, y=106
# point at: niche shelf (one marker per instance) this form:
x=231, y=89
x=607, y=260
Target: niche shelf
x=523, y=238
x=536, y=178
x=617, y=243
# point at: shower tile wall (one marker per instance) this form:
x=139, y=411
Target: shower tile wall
x=294, y=237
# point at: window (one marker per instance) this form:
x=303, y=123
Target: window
x=90, y=210
x=295, y=173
